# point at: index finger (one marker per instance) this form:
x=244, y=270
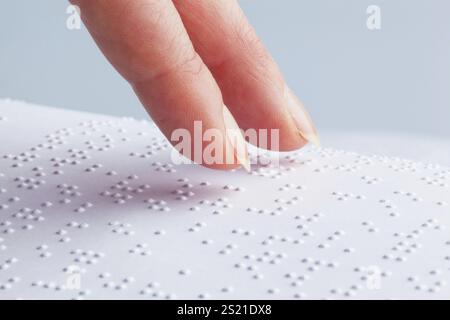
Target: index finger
x=147, y=43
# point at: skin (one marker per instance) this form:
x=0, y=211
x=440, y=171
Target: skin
x=185, y=59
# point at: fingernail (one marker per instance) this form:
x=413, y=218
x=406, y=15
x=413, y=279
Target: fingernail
x=301, y=118
x=236, y=139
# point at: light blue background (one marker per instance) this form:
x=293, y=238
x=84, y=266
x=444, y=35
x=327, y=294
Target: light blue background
x=353, y=79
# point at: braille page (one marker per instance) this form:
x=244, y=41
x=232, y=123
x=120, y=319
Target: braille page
x=92, y=207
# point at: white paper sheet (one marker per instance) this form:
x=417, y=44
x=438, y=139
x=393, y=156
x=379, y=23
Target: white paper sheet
x=91, y=207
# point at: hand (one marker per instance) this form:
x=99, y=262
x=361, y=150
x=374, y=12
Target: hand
x=193, y=60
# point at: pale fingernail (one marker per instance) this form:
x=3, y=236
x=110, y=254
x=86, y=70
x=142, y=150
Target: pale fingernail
x=235, y=138
x=301, y=117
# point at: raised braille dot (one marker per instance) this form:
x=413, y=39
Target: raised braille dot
x=273, y=291
x=184, y=272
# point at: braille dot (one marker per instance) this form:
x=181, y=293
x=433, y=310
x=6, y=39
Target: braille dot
x=273, y=291
x=184, y=272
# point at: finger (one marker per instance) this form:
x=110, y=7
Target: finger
x=251, y=83
x=147, y=43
